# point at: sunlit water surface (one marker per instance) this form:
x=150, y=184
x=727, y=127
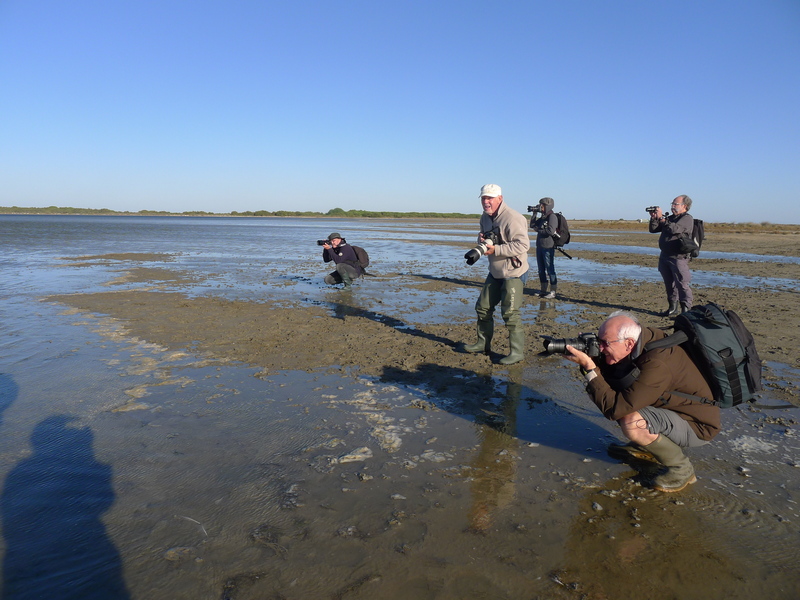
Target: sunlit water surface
x=216, y=481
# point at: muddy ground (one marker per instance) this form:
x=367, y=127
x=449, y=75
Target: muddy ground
x=622, y=542
x=275, y=336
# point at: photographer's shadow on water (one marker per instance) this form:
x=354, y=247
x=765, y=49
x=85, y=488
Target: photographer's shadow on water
x=56, y=545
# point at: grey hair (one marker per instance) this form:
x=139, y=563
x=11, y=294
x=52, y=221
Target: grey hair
x=687, y=202
x=631, y=329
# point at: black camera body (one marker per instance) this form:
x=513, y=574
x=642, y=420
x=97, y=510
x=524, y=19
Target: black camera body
x=475, y=253
x=585, y=342
x=323, y=242
x=534, y=209
x=652, y=209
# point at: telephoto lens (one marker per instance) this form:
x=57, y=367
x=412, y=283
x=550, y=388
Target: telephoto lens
x=475, y=253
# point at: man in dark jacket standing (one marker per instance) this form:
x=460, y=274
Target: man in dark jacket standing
x=672, y=264
x=546, y=226
x=347, y=266
x=654, y=396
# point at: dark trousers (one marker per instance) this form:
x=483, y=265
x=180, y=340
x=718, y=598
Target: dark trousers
x=677, y=276
x=336, y=277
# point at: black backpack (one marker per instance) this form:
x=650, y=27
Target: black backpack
x=562, y=230
x=691, y=245
x=722, y=348
x=361, y=255
x=698, y=236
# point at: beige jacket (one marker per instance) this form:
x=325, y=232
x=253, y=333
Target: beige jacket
x=513, y=229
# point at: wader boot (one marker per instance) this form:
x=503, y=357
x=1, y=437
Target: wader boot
x=552, y=293
x=680, y=471
x=516, y=339
x=672, y=311
x=543, y=293
x=346, y=279
x=685, y=308
x=485, y=332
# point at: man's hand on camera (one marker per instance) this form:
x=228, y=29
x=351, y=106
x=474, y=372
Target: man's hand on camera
x=583, y=360
x=489, y=247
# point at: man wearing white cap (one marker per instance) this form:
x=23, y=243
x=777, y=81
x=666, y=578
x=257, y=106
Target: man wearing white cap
x=508, y=269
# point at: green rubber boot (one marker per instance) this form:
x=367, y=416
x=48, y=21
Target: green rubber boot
x=516, y=339
x=680, y=471
x=484, y=343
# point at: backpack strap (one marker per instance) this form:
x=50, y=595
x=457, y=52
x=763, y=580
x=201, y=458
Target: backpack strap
x=689, y=397
x=680, y=337
x=733, y=376
x=675, y=339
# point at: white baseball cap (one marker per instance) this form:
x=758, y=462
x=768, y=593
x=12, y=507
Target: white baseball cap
x=491, y=190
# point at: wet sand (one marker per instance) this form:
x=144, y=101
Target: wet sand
x=448, y=515
x=275, y=336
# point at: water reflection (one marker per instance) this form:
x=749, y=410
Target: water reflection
x=52, y=503
x=509, y=408
x=495, y=465
x=276, y=257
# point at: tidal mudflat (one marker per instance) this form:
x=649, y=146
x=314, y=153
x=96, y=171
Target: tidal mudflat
x=224, y=425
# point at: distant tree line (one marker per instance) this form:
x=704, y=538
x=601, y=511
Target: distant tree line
x=370, y=214
x=334, y=212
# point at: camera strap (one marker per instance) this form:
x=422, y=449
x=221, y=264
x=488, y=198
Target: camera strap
x=625, y=380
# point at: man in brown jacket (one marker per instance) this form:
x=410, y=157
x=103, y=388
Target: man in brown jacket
x=653, y=396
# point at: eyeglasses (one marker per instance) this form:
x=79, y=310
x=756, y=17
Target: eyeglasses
x=605, y=344
x=677, y=204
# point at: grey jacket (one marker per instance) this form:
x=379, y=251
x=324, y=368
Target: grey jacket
x=671, y=231
x=545, y=226
x=513, y=230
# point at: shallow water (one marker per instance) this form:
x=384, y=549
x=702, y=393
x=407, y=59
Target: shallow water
x=133, y=471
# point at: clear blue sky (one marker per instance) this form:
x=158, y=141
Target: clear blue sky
x=606, y=106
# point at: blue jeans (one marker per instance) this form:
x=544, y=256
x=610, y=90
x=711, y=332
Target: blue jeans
x=545, y=259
